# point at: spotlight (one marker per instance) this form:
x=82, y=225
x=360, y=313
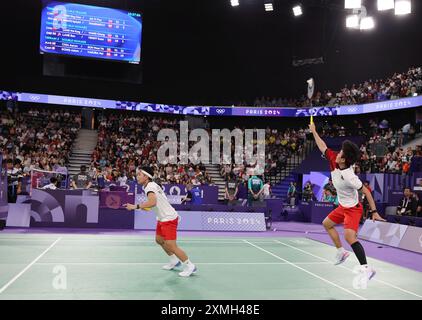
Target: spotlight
x=403, y=7
x=352, y=21
x=297, y=11
x=234, y=3
x=268, y=6
x=352, y=4
x=367, y=23
x=385, y=5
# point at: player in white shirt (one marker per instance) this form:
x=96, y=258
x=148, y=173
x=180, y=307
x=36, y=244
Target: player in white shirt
x=349, y=211
x=52, y=185
x=167, y=221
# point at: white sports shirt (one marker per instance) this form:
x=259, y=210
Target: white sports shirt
x=345, y=181
x=163, y=209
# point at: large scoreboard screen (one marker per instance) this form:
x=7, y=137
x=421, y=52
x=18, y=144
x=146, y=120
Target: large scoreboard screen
x=90, y=32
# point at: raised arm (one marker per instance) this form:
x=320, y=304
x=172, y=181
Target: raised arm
x=320, y=143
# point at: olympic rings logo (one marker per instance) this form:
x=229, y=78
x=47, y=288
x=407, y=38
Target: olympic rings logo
x=34, y=98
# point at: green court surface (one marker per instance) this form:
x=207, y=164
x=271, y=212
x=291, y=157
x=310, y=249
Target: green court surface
x=64, y=266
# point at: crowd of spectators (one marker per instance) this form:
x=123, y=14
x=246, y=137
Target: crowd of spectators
x=38, y=138
x=280, y=145
x=399, y=85
x=382, y=150
x=41, y=138
x=129, y=141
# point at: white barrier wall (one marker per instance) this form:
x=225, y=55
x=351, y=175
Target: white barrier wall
x=392, y=234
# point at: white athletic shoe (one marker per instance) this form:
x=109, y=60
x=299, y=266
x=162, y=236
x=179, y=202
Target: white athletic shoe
x=369, y=272
x=171, y=266
x=188, y=271
x=365, y=273
x=341, y=257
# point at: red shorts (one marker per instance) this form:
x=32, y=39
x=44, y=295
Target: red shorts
x=349, y=216
x=168, y=229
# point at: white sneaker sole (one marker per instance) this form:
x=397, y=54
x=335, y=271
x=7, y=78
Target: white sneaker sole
x=186, y=275
x=171, y=268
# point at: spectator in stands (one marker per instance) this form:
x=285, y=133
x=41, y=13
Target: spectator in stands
x=40, y=138
x=416, y=163
x=329, y=196
x=408, y=205
x=291, y=194
x=400, y=85
x=82, y=180
x=330, y=186
x=308, y=192
x=100, y=179
x=14, y=183
x=231, y=190
x=255, y=188
x=267, y=192
x=207, y=179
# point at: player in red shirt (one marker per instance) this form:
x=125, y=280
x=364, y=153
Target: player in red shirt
x=349, y=211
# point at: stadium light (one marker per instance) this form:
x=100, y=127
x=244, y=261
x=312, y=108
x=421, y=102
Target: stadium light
x=234, y=3
x=297, y=11
x=367, y=23
x=403, y=7
x=352, y=4
x=385, y=5
x=352, y=21
x=268, y=6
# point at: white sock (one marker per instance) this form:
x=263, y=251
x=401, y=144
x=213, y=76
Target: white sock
x=173, y=259
x=188, y=263
x=340, y=250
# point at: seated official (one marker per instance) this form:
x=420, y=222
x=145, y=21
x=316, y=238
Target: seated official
x=193, y=196
x=82, y=180
x=52, y=185
x=408, y=205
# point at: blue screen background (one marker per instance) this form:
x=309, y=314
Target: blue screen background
x=84, y=31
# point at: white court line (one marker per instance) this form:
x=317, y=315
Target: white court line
x=374, y=279
x=160, y=263
x=28, y=266
x=311, y=273
x=151, y=240
x=101, y=237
